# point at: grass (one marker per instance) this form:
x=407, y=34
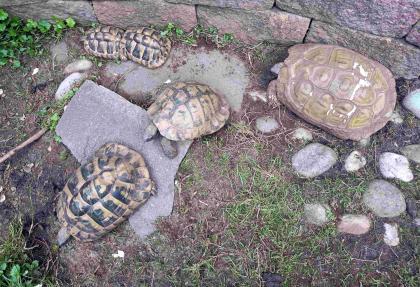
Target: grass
x=17, y=269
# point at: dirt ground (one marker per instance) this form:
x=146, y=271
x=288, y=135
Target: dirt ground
x=237, y=219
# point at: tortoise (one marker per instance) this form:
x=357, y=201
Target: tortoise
x=336, y=89
x=103, y=192
x=185, y=111
x=144, y=46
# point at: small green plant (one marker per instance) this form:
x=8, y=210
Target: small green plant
x=19, y=37
x=208, y=34
x=17, y=269
x=51, y=114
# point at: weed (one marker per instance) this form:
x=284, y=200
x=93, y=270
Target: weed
x=19, y=37
x=50, y=114
x=17, y=269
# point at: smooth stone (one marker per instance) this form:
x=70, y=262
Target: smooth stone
x=354, y=224
x=412, y=152
x=266, y=124
x=354, y=161
x=96, y=116
x=302, y=134
x=417, y=221
x=393, y=165
x=82, y=65
x=275, y=69
x=391, y=234
x=364, y=142
x=412, y=102
x=396, y=118
x=384, y=199
x=316, y=213
x=69, y=83
x=313, y=160
x=59, y=52
x=223, y=73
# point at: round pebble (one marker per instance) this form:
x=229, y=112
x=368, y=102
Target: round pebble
x=354, y=161
x=266, y=124
x=354, y=224
x=316, y=213
x=68, y=83
x=412, y=102
x=302, y=134
x=313, y=160
x=393, y=165
x=78, y=66
x=384, y=199
x=391, y=234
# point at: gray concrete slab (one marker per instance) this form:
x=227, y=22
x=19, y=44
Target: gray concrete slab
x=96, y=116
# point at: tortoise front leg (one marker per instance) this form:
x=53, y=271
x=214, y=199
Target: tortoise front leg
x=170, y=148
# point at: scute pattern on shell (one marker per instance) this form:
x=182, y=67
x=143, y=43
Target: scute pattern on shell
x=185, y=111
x=104, y=42
x=104, y=192
x=144, y=45
x=337, y=89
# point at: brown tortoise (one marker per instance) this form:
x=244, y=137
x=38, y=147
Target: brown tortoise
x=336, y=89
x=144, y=45
x=185, y=111
x=103, y=193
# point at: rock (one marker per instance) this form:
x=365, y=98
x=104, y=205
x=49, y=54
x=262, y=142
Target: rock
x=302, y=134
x=414, y=35
x=412, y=102
x=354, y=161
x=417, y=221
x=376, y=17
x=391, y=234
x=258, y=95
x=223, y=73
x=384, y=199
x=364, y=142
x=396, y=118
x=59, y=52
x=412, y=152
x=96, y=116
x=272, y=279
x=266, y=124
x=243, y=4
x=313, y=160
x=276, y=68
x=354, y=224
x=316, y=213
x=69, y=83
x=411, y=207
x=393, y=165
x=82, y=65
x=398, y=56
x=272, y=25
x=80, y=11
x=124, y=14
x=357, y=104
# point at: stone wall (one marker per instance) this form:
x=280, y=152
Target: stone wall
x=385, y=30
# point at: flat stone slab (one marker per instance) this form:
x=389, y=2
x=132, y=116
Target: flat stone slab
x=224, y=73
x=96, y=116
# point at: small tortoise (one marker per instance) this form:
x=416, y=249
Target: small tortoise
x=336, y=89
x=103, y=193
x=185, y=111
x=144, y=45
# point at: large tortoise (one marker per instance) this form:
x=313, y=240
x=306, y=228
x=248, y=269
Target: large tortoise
x=185, y=111
x=336, y=89
x=144, y=46
x=103, y=193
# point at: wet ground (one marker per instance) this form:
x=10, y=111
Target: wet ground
x=237, y=215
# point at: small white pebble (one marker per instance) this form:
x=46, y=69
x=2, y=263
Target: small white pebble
x=35, y=71
x=22, y=118
x=168, y=81
x=391, y=234
x=1, y=92
x=119, y=254
x=49, y=148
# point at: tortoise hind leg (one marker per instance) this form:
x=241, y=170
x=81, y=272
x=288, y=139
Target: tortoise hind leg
x=170, y=148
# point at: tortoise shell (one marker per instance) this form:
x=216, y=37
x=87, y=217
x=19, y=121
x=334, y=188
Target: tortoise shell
x=185, y=111
x=145, y=46
x=337, y=89
x=104, y=192
x=104, y=42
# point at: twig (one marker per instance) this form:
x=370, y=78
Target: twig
x=22, y=145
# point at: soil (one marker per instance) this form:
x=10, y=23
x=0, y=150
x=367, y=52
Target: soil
x=195, y=246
